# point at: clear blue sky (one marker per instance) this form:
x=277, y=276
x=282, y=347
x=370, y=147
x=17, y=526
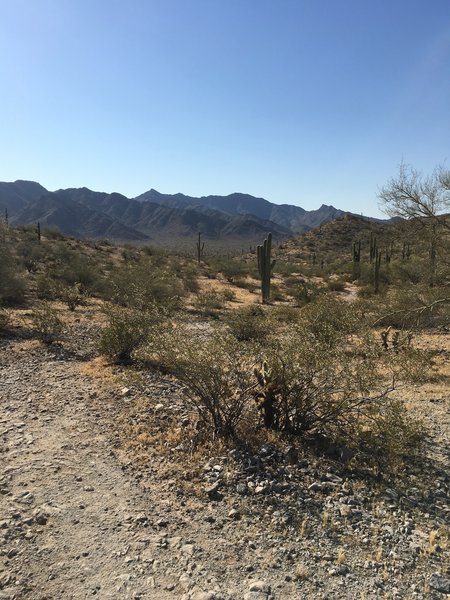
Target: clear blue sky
x=299, y=101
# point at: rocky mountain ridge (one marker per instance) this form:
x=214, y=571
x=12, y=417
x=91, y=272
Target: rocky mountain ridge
x=81, y=212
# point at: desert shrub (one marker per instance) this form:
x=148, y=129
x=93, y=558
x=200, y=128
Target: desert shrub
x=31, y=255
x=127, y=330
x=144, y=285
x=4, y=319
x=46, y=323
x=12, y=285
x=246, y=284
x=336, y=285
x=53, y=233
x=313, y=384
x=413, y=307
x=276, y=294
x=73, y=296
x=229, y=295
x=329, y=320
x=304, y=292
x=233, y=268
x=248, y=323
x=412, y=272
x=47, y=288
x=208, y=303
x=216, y=373
x=79, y=270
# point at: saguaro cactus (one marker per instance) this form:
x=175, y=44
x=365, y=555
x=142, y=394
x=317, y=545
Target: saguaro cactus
x=377, y=265
x=38, y=231
x=265, y=266
x=356, y=259
x=200, y=247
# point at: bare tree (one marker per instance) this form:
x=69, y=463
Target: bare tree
x=424, y=203
x=411, y=195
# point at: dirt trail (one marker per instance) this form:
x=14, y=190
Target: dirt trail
x=73, y=524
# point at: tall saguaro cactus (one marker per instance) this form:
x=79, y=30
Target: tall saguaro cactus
x=356, y=259
x=200, y=247
x=265, y=266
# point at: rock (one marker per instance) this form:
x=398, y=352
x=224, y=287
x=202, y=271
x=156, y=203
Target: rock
x=339, y=570
x=234, y=514
x=41, y=519
x=162, y=522
x=206, y=596
x=242, y=489
x=259, y=586
x=124, y=392
x=440, y=583
x=213, y=491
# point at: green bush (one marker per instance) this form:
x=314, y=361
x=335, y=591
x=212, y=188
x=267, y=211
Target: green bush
x=12, y=284
x=73, y=296
x=4, y=319
x=248, y=323
x=144, y=285
x=216, y=373
x=304, y=292
x=311, y=384
x=46, y=323
x=47, y=288
x=208, y=303
x=336, y=285
x=127, y=330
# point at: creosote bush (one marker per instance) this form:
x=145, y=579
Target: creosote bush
x=4, y=319
x=46, y=323
x=12, y=284
x=73, y=296
x=216, y=373
x=208, y=303
x=147, y=283
x=326, y=375
x=127, y=330
x=248, y=323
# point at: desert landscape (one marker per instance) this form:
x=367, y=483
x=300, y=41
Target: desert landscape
x=166, y=433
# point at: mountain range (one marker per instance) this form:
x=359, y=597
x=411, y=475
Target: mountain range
x=83, y=213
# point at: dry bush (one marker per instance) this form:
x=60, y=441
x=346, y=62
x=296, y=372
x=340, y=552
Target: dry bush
x=127, y=330
x=248, y=323
x=216, y=373
x=5, y=319
x=147, y=283
x=208, y=303
x=12, y=285
x=46, y=323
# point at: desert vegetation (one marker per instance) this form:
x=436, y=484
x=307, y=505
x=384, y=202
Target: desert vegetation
x=308, y=351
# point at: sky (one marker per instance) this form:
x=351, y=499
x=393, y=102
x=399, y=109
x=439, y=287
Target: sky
x=304, y=102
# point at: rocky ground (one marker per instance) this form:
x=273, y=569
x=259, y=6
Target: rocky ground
x=102, y=496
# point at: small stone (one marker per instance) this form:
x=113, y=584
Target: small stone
x=125, y=392
x=440, y=583
x=234, y=514
x=259, y=586
x=339, y=570
x=213, y=491
x=40, y=519
x=162, y=523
